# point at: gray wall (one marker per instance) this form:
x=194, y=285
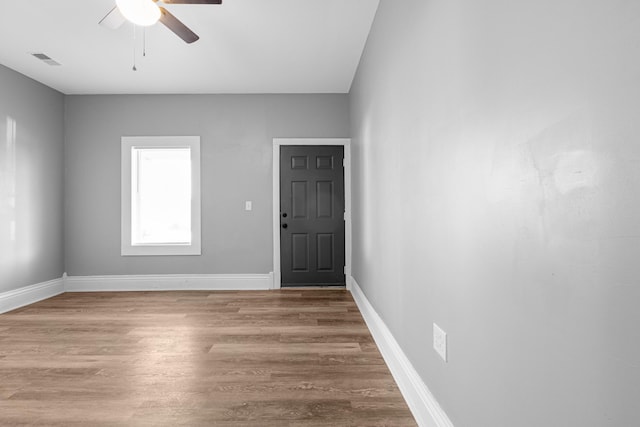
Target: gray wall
x=236, y=149
x=496, y=185
x=31, y=181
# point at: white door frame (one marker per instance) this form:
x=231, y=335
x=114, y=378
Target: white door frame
x=277, y=143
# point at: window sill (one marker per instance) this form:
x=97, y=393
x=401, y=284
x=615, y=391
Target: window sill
x=161, y=250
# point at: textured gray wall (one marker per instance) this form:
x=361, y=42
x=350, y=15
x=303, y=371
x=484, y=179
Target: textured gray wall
x=31, y=181
x=236, y=148
x=496, y=193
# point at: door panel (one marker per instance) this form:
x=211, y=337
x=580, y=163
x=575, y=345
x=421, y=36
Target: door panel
x=325, y=252
x=312, y=232
x=299, y=162
x=300, y=252
x=299, y=200
x=324, y=199
x=324, y=162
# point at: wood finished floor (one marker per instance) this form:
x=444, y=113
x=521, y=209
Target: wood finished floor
x=264, y=358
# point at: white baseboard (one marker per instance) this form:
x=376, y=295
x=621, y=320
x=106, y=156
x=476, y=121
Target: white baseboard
x=26, y=295
x=423, y=405
x=169, y=282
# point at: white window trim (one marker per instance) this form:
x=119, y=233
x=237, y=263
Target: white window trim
x=128, y=142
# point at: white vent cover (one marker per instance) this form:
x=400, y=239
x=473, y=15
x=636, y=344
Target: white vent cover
x=46, y=59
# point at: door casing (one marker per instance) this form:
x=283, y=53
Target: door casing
x=277, y=143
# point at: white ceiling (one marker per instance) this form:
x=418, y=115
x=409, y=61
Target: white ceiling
x=245, y=46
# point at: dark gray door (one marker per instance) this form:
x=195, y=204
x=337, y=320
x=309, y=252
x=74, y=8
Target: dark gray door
x=312, y=215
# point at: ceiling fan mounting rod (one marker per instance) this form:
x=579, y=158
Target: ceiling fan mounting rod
x=134, y=49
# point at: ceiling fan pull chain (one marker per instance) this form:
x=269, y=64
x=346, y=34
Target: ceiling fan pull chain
x=134, y=48
x=144, y=41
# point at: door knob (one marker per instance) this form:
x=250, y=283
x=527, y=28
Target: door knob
x=284, y=225
x=284, y=215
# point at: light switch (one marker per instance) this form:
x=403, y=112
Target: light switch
x=248, y=205
x=440, y=341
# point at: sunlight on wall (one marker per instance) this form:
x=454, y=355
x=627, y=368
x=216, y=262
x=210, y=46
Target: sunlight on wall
x=8, y=184
x=17, y=241
x=8, y=194
x=10, y=176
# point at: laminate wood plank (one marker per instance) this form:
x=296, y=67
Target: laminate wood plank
x=326, y=412
x=78, y=413
x=360, y=338
x=295, y=310
x=351, y=359
x=330, y=372
x=287, y=348
x=253, y=358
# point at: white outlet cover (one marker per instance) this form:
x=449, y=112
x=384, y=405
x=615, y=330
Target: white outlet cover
x=440, y=341
x=248, y=205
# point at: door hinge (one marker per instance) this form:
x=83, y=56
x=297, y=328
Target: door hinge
x=344, y=216
x=343, y=162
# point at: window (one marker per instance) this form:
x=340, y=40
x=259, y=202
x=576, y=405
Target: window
x=160, y=195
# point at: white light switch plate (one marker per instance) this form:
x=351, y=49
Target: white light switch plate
x=440, y=341
x=248, y=205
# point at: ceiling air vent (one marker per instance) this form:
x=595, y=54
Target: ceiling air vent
x=46, y=59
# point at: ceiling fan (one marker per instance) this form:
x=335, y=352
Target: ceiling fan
x=148, y=12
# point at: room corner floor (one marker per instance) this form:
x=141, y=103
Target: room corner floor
x=224, y=358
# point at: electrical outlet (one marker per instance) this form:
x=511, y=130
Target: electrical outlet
x=440, y=341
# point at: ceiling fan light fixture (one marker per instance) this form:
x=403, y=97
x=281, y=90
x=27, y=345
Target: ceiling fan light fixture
x=140, y=12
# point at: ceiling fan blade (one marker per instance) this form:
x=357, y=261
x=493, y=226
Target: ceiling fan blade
x=113, y=20
x=175, y=25
x=192, y=1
